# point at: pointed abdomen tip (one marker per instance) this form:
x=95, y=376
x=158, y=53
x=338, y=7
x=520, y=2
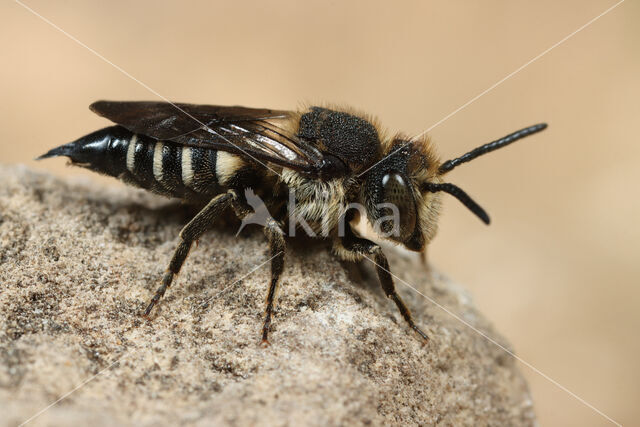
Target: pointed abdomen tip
x=63, y=150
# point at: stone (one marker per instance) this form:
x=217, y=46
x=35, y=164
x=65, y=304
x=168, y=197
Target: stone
x=80, y=261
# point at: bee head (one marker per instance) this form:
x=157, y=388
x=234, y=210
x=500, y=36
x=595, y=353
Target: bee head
x=402, y=191
x=396, y=206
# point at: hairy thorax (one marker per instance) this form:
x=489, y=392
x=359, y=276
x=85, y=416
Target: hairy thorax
x=315, y=206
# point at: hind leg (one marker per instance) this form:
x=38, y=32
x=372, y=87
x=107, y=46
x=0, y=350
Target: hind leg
x=191, y=232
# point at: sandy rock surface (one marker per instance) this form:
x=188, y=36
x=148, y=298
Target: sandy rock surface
x=79, y=262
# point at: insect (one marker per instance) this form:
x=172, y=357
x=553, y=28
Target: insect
x=330, y=162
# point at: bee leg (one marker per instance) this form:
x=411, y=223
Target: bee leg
x=189, y=233
x=275, y=237
x=425, y=260
x=353, y=248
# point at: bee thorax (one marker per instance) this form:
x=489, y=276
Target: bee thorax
x=314, y=206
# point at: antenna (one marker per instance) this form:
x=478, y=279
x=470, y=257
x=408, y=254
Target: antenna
x=459, y=194
x=491, y=146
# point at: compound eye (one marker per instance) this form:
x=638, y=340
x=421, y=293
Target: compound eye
x=397, y=192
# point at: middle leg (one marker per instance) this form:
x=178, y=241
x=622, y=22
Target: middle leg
x=275, y=237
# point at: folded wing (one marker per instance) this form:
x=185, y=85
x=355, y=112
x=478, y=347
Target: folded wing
x=256, y=133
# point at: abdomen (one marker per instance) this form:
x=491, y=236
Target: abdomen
x=160, y=166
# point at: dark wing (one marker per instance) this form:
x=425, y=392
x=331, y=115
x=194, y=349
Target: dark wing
x=256, y=133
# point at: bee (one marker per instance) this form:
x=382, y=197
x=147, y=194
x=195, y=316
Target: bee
x=334, y=164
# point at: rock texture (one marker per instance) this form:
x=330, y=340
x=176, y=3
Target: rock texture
x=78, y=263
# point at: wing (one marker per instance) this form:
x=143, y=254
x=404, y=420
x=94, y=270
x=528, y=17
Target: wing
x=253, y=132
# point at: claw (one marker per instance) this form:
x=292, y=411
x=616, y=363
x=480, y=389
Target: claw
x=150, y=307
x=424, y=336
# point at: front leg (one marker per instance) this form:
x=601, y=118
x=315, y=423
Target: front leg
x=275, y=237
x=353, y=248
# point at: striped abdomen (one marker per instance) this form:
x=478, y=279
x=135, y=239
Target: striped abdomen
x=162, y=167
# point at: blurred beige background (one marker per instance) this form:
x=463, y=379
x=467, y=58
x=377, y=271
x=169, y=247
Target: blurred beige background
x=557, y=271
